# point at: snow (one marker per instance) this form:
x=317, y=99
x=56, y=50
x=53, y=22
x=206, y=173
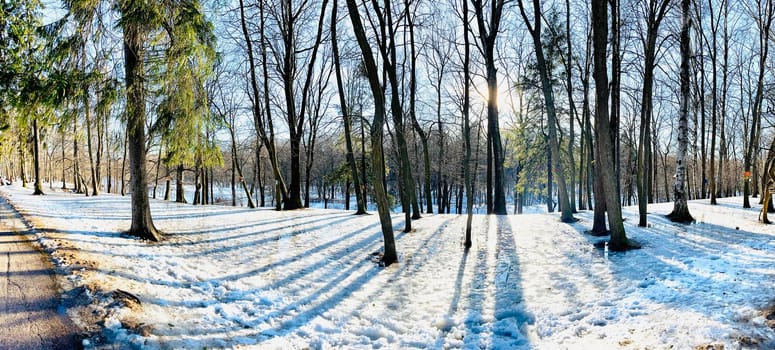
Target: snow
x=241, y=278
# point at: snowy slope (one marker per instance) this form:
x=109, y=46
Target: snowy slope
x=240, y=278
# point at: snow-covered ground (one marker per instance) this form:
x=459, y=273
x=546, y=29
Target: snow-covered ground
x=240, y=278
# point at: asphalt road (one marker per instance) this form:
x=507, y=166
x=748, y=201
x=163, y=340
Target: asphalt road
x=29, y=298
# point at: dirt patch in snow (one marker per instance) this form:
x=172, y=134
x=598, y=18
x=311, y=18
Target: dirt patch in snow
x=709, y=347
x=769, y=315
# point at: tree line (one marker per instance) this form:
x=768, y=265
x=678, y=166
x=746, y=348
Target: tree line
x=433, y=106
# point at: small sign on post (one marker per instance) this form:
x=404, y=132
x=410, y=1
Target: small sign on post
x=747, y=175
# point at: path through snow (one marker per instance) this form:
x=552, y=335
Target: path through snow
x=29, y=296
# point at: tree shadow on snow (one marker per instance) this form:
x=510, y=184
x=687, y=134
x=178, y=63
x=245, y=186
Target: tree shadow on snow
x=506, y=326
x=420, y=256
x=409, y=264
x=511, y=317
x=341, y=280
x=705, y=269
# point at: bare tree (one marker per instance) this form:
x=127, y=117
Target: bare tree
x=262, y=116
x=346, y=117
x=224, y=107
x=378, y=173
x=604, y=159
x=656, y=11
x=468, y=178
x=680, y=211
x=488, y=33
x=765, y=13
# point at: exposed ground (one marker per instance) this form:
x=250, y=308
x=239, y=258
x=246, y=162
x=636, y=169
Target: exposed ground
x=31, y=316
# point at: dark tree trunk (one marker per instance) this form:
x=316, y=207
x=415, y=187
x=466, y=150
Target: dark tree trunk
x=36, y=154
x=233, y=181
x=573, y=112
x=347, y=195
x=296, y=119
x=123, y=164
x=239, y=176
x=259, y=176
x=76, y=169
x=167, y=183
x=383, y=207
x=616, y=72
x=656, y=13
x=180, y=196
x=64, y=175
x=134, y=55
x=412, y=111
x=89, y=149
x=488, y=31
x=22, y=162
x=158, y=168
x=714, y=104
x=551, y=122
x=549, y=179
x=604, y=159
x=264, y=130
x=766, y=18
x=360, y=193
x=197, y=185
x=205, y=187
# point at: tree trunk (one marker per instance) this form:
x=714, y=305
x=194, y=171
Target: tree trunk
x=768, y=184
x=123, y=164
x=440, y=146
x=238, y=169
x=197, y=186
x=205, y=187
x=412, y=110
x=549, y=178
x=605, y=168
x=98, y=153
x=616, y=72
x=680, y=207
x=572, y=109
x=359, y=186
x=488, y=31
x=407, y=191
x=364, y=180
x=64, y=175
x=347, y=195
x=36, y=156
x=134, y=55
x=261, y=182
x=89, y=149
x=167, y=183
x=599, y=219
x=645, y=178
x=180, y=196
x=467, y=243
x=76, y=169
x=110, y=166
x=158, y=168
x=264, y=131
x=714, y=110
x=233, y=181
x=587, y=147
x=766, y=17
x=378, y=173
x=546, y=87
x=723, y=185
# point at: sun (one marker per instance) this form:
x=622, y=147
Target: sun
x=507, y=99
